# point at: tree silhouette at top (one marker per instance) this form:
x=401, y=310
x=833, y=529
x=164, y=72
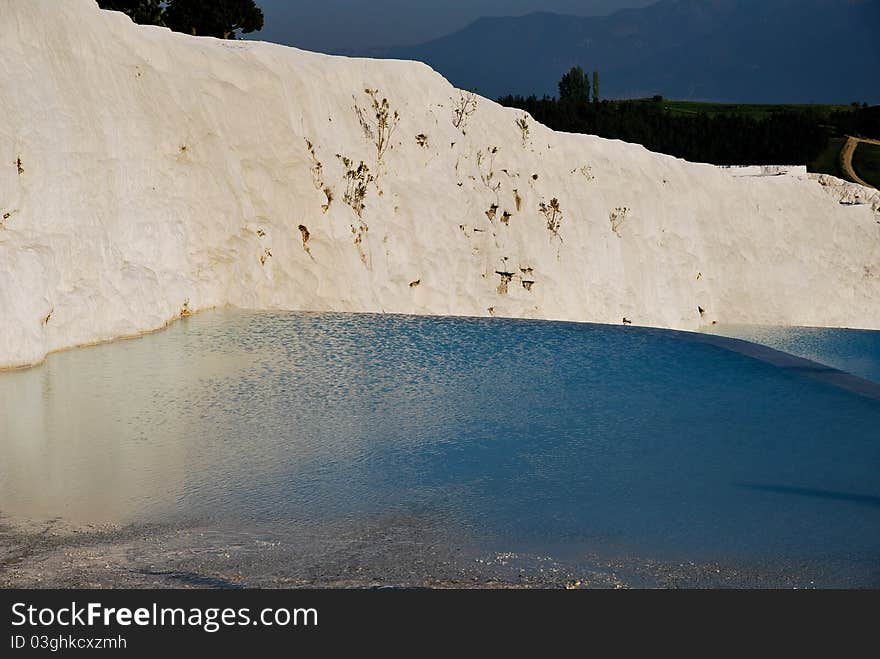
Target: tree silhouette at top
x=574, y=86
x=213, y=18
x=146, y=12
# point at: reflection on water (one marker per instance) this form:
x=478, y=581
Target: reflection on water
x=853, y=351
x=528, y=434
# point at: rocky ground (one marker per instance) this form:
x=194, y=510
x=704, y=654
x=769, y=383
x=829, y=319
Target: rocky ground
x=392, y=554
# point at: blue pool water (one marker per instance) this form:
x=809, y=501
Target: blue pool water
x=853, y=351
x=527, y=436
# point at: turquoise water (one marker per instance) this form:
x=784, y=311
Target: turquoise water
x=853, y=351
x=527, y=436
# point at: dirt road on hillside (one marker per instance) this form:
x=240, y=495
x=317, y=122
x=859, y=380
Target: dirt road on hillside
x=846, y=154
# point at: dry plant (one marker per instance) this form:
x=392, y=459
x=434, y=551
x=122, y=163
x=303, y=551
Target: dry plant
x=487, y=174
x=463, y=108
x=317, y=170
x=359, y=232
x=362, y=120
x=523, y=124
x=356, y=181
x=382, y=127
x=553, y=214
x=586, y=171
x=506, y=278
x=617, y=217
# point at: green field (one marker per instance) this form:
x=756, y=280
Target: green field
x=756, y=111
x=808, y=134
x=828, y=162
x=866, y=162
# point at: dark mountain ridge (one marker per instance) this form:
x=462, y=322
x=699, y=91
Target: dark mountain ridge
x=771, y=51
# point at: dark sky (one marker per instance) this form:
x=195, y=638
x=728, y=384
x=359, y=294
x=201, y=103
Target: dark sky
x=359, y=26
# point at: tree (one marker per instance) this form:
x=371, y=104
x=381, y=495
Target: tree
x=595, y=86
x=574, y=86
x=213, y=18
x=145, y=12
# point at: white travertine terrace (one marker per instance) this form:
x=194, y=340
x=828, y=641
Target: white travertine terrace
x=145, y=175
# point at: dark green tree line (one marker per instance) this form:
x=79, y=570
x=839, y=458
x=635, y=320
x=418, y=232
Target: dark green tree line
x=784, y=137
x=224, y=19
x=145, y=12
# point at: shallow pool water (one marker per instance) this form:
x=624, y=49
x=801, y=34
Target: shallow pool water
x=853, y=351
x=527, y=436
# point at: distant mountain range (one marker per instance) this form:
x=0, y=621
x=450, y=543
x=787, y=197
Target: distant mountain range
x=362, y=27
x=758, y=51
